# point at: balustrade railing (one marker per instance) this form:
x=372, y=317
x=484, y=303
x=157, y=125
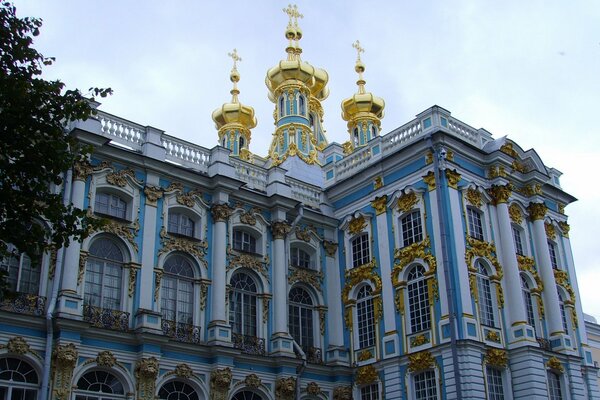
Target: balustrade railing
x=181, y=332
x=254, y=176
x=307, y=194
x=24, y=303
x=121, y=131
x=248, y=344
x=106, y=318
x=186, y=154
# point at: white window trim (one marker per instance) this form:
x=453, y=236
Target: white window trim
x=130, y=193
x=410, y=383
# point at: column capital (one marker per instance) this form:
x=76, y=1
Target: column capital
x=500, y=193
x=379, y=204
x=153, y=193
x=280, y=229
x=330, y=247
x=81, y=170
x=537, y=211
x=220, y=212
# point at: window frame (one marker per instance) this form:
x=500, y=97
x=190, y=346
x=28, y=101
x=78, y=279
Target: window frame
x=360, y=246
x=366, y=323
x=109, y=212
x=486, y=309
x=475, y=223
x=249, y=303
x=21, y=263
x=196, y=222
x=305, y=323
x=413, y=233
x=24, y=387
x=518, y=233
x=370, y=391
x=123, y=276
x=554, y=392
x=248, y=243
x=420, y=284
x=554, y=255
x=179, y=281
x=530, y=310
x=433, y=378
x=494, y=379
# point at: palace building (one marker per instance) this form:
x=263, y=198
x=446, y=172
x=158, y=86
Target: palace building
x=431, y=261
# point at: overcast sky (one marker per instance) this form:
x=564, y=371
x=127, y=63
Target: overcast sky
x=526, y=69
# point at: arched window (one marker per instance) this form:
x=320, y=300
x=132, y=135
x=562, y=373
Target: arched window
x=365, y=317
x=311, y=121
x=242, y=142
x=484, y=290
x=301, y=318
x=528, y=301
x=554, y=389
x=425, y=386
x=302, y=105
x=99, y=385
x=360, y=250
x=104, y=275
x=475, y=223
x=177, y=290
x=18, y=379
x=553, y=255
x=373, y=131
x=223, y=140
x=281, y=106
x=177, y=390
x=110, y=204
x=563, y=313
x=300, y=258
x=517, y=237
x=181, y=224
x=244, y=241
x=412, y=230
x=495, y=386
x=243, y=304
x=21, y=277
x=418, y=300
x=355, y=137
x=247, y=395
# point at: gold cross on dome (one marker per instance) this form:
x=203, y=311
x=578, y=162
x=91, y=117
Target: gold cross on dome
x=292, y=12
x=234, y=55
x=359, y=49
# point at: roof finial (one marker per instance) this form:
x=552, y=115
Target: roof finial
x=234, y=76
x=293, y=31
x=359, y=67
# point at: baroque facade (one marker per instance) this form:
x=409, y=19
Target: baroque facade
x=431, y=262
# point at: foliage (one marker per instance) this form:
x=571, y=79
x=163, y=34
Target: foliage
x=35, y=148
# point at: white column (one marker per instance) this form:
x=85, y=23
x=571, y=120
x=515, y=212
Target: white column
x=281, y=340
x=516, y=315
x=218, y=328
x=335, y=327
x=537, y=211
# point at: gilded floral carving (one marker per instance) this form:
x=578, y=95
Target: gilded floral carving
x=184, y=371
x=514, y=211
x=418, y=340
x=248, y=218
x=246, y=261
x=420, y=361
x=106, y=359
x=500, y=194
x=453, y=178
x=330, y=248
x=342, y=393
x=507, y=148
x=354, y=276
x=497, y=171
x=83, y=255
x=18, y=345
x=313, y=389
x=487, y=250
x=473, y=196
x=220, y=379
x=197, y=248
x=64, y=359
x=364, y=355
x=132, y=278
x=280, y=229
x=124, y=230
x=407, y=201
x=530, y=190
x=203, y=295
x=308, y=276
x=519, y=166
x=496, y=358
x=157, y=278
x=555, y=365
x=357, y=224
x=379, y=204
x=153, y=193
x=528, y=264
x=303, y=234
x=285, y=388
x=221, y=212
x=81, y=170
x=366, y=374
x=378, y=183
x=564, y=228
x=188, y=199
x=119, y=178
x=252, y=381
x=429, y=179
x=322, y=312
x=550, y=230
x=406, y=255
x=492, y=336
x=146, y=371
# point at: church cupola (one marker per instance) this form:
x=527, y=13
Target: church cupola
x=363, y=111
x=297, y=89
x=235, y=120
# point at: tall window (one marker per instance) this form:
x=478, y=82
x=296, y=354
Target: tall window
x=563, y=313
x=103, y=275
x=355, y=137
x=518, y=240
x=181, y=224
x=20, y=275
x=554, y=389
x=366, y=317
x=425, y=387
x=177, y=290
x=110, y=204
x=412, y=230
x=301, y=317
x=475, y=224
x=370, y=392
x=300, y=258
x=373, y=131
x=242, y=143
x=18, y=380
x=244, y=241
x=281, y=106
x=553, y=255
x=418, y=300
x=176, y=390
x=528, y=301
x=302, y=105
x=311, y=121
x=486, y=308
x=360, y=250
x=494, y=384
x=243, y=304
x=99, y=385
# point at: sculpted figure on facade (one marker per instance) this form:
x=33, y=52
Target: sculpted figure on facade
x=285, y=388
x=342, y=393
x=64, y=359
x=146, y=371
x=220, y=380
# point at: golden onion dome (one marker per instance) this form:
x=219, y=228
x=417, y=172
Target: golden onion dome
x=234, y=112
x=363, y=103
x=293, y=69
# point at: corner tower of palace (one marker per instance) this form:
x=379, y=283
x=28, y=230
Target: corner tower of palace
x=297, y=89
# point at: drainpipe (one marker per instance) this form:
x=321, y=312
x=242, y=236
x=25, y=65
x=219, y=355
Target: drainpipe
x=45, y=389
x=440, y=154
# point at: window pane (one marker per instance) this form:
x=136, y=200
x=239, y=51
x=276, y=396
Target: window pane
x=494, y=384
x=425, y=387
x=412, y=231
x=360, y=250
x=418, y=300
x=366, y=318
x=475, y=225
x=486, y=308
